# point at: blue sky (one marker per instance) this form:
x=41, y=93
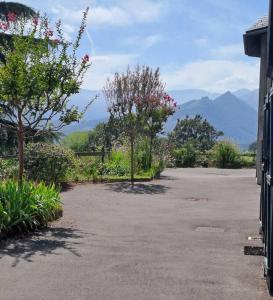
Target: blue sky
x=196, y=43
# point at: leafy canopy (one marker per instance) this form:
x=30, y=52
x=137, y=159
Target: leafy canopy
x=40, y=73
x=197, y=131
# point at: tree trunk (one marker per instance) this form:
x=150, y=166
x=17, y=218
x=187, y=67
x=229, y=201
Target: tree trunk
x=21, y=141
x=132, y=159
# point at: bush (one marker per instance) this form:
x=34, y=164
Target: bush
x=48, y=163
x=142, y=155
x=226, y=155
x=156, y=169
x=186, y=156
x=118, y=165
x=28, y=206
x=8, y=168
x=248, y=160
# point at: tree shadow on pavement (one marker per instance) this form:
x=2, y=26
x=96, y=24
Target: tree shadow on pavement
x=43, y=243
x=138, y=188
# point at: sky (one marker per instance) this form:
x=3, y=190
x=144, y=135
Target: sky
x=197, y=44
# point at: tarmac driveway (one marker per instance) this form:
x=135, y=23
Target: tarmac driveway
x=177, y=238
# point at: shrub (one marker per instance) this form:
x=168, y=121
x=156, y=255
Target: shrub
x=118, y=165
x=156, y=169
x=142, y=155
x=248, y=160
x=185, y=157
x=8, y=168
x=48, y=163
x=226, y=155
x=27, y=206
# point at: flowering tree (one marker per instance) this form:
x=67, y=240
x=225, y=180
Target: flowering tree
x=156, y=105
x=40, y=72
x=138, y=99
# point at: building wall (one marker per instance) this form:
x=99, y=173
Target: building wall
x=265, y=85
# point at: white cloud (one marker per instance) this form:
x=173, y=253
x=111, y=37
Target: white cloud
x=104, y=66
x=143, y=42
x=227, y=51
x=214, y=75
x=124, y=13
x=68, y=30
x=109, y=16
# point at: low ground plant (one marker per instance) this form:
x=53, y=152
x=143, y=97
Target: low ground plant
x=28, y=206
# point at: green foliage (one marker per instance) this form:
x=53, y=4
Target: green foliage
x=48, y=163
x=77, y=141
x=117, y=165
x=40, y=72
x=185, y=156
x=27, y=206
x=138, y=101
x=226, y=155
x=197, y=131
x=156, y=169
x=8, y=168
x=248, y=160
x=103, y=135
x=142, y=156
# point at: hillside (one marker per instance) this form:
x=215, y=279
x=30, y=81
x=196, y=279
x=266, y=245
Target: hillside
x=227, y=113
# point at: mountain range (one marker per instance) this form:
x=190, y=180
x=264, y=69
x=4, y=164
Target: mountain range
x=237, y=119
x=234, y=113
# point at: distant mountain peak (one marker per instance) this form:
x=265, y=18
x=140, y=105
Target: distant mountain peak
x=205, y=98
x=228, y=93
x=227, y=113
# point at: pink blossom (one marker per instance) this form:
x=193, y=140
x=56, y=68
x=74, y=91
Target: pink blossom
x=56, y=41
x=4, y=26
x=12, y=17
x=35, y=21
x=49, y=33
x=85, y=59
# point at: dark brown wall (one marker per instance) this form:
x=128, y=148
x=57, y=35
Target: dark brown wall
x=264, y=89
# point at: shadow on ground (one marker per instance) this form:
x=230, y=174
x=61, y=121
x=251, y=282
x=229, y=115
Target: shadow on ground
x=138, y=188
x=166, y=177
x=44, y=242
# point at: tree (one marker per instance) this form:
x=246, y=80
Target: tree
x=15, y=11
x=40, y=73
x=121, y=94
x=77, y=141
x=137, y=98
x=197, y=131
x=158, y=107
x=102, y=136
